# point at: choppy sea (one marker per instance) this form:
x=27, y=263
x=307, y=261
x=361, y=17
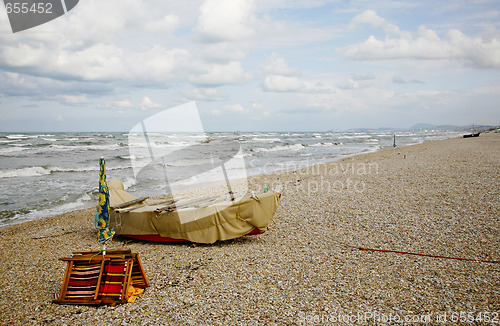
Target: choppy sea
x=43, y=174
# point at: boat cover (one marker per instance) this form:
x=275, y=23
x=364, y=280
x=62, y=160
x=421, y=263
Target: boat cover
x=208, y=224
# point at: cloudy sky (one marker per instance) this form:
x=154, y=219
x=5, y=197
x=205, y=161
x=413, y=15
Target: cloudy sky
x=254, y=65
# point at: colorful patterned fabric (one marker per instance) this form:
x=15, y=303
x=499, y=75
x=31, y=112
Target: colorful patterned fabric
x=83, y=280
x=112, y=279
x=105, y=233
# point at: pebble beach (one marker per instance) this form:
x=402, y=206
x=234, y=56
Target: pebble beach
x=438, y=198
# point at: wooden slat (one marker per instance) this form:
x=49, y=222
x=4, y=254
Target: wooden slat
x=67, y=275
x=94, y=259
x=121, y=256
x=109, y=252
x=195, y=202
x=132, y=202
x=128, y=209
x=139, y=265
x=99, y=280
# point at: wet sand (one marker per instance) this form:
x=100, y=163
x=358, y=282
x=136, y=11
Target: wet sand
x=439, y=198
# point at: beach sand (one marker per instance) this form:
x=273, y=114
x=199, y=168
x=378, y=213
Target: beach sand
x=439, y=198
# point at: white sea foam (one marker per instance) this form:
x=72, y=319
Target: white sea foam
x=24, y=172
x=294, y=147
x=266, y=140
x=34, y=171
x=84, y=201
x=9, y=150
x=17, y=136
x=24, y=136
x=84, y=147
x=325, y=144
x=129, y=182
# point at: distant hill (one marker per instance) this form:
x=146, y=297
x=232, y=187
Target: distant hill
x=420, y=126
x=428, y=126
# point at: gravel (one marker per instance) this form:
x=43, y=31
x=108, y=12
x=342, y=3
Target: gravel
x=439, y=198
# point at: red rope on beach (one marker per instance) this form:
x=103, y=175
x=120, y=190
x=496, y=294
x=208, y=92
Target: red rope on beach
x=433, y=256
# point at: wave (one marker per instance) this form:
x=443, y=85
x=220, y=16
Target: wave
x=355, y=136
x=294, y=147
x=24, y=136
x=17, y=136
x=25, y=172
x=9, y=150
x=89, y=147
x=19, y=215
x=129, y=182
x=157, y=144
x=35, y=171
x=325, y=144
x=266, y=140
x=130, y=157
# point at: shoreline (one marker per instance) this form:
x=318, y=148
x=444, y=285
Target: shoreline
x=287, y=168
x=438, y=197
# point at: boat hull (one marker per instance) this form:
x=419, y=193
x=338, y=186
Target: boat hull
x=472, y=135
x=159, y=238
x=216, y=222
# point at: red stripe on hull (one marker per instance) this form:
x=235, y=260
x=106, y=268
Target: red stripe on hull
x=156, y=237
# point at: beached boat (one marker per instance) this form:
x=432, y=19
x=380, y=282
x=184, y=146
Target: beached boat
x=200, y=220
x=474, y=134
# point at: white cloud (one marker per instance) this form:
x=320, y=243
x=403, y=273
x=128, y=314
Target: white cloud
x=236, y=108
x=359, y=76
x=102, y=21
x=229, y=108
x=123, y=104
x=73, y=99
x=147, y=104
x=425, y=44
x=371, y=17
x=350, y=84
x=204, y=94
x=219, y=74
x=119, y=106
x=281, y=78
x=276, y=65
x=159, y=64
x=222, y=20
x=260, y=110
x=255, y=112
x=266, y=5
x=222, y=52
x=277, y=83
x=400, y=80
x=164, y=26
x=216, y=112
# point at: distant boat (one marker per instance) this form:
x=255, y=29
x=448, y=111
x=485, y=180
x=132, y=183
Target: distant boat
x=473, y=134
x=201, y=220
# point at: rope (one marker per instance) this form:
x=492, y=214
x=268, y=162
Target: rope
x=411, y=253
x=433, y=256
x=98, y=253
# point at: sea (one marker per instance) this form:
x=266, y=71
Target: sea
x=44, y=174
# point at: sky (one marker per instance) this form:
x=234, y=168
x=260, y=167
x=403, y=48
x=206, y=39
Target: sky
x=254, y=65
